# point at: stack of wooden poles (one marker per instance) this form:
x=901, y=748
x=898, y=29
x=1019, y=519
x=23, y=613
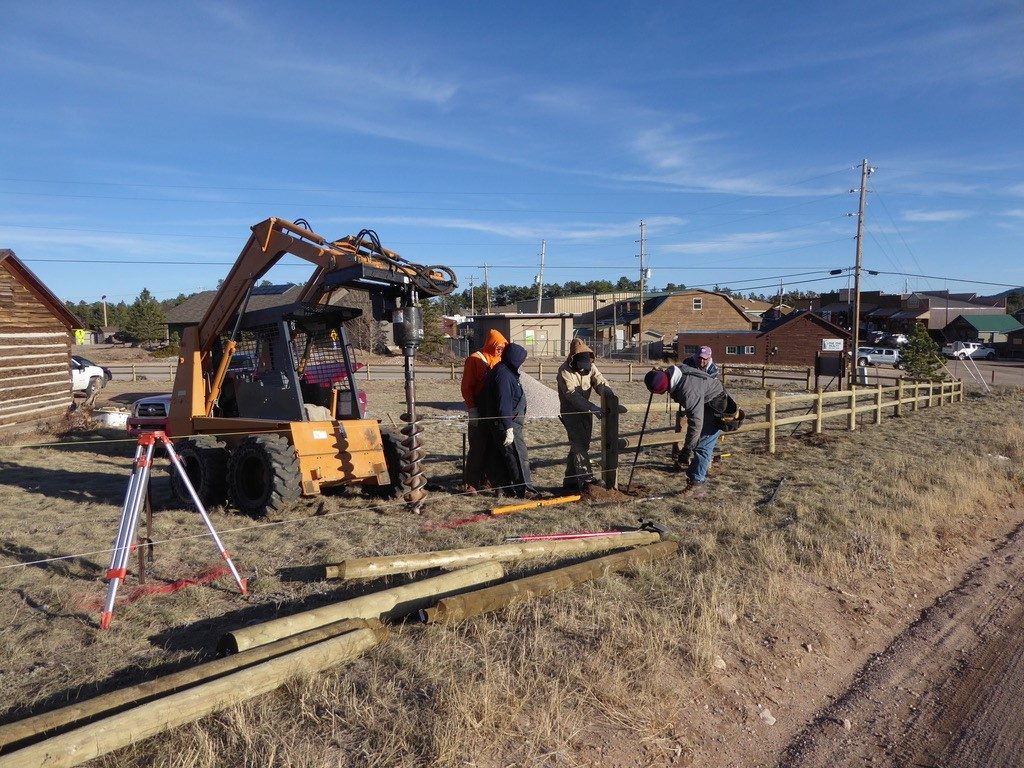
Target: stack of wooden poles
x=257, y=659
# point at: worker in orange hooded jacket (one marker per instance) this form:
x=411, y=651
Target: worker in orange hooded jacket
x=473, y=374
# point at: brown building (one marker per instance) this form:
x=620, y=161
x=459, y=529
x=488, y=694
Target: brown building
x=796, y=339
x=667, y=314
x=36, y=331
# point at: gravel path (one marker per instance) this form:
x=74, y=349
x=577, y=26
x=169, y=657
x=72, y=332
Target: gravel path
x=946, y=692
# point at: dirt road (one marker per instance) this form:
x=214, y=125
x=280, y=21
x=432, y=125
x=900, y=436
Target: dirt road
x=946, y=692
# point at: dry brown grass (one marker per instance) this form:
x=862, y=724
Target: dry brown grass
x=553, y=682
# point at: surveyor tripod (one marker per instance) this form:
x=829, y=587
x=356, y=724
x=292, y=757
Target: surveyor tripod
x=134, y=502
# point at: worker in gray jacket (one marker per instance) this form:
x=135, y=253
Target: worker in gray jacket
x=705, y=402
x=578, y=377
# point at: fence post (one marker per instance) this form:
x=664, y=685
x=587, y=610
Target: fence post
x=770, y=418
x=133, y=373
x=367, y=370
x=540, y=370
x=819, y=412
x=170, y=372
x=916, y=399
x=610, y=438
x=899, y=398
x=853, y=407
x=960, y=391
x=631, y=372
x=878, y=403
x=809, y=372
x=993, y=375
x=722, y=369
x=764, y=371
x=453, y=371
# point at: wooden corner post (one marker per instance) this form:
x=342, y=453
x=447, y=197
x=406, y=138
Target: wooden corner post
x=770, y=418
x=610, y=438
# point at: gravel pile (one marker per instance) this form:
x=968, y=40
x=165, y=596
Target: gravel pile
x=541, y=400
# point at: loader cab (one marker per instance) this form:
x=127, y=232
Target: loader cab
x=292, y=363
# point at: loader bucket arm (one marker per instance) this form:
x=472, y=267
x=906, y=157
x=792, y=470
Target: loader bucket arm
x=270, y=241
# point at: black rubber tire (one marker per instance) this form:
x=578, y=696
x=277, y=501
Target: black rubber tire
x=205, y=460
x=263, y=475
x=393, y=459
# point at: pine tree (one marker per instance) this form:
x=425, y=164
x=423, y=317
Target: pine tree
x=920, y=356
x=145, y=320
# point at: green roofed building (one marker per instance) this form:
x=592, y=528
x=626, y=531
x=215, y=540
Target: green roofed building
x=991, y=329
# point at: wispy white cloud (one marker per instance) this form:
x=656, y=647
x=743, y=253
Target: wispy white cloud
x=535, y=231
x=1016, y=213
x=937, y=216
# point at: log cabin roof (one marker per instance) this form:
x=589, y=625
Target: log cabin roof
x=37, y=288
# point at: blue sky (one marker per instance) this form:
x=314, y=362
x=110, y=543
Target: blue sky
x=464, y=134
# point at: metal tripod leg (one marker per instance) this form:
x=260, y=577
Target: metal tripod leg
x=173, y=456
x=137, y=485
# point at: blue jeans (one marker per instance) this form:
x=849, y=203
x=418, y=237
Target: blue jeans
x=701, y=461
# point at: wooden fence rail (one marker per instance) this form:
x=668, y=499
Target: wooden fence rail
x=852, y=402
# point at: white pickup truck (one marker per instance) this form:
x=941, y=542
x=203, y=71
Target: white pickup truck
x=86, y=376
x=971, y=349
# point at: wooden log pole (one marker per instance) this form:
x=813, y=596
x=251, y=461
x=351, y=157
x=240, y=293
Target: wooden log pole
x=374, y=567
x=852, y=424
x=141, y=722
x=108, y=703
x=879, y=399
x=899, y=398
x=819, y=412
x=610, y=438
x=770, y=418
x=481, y=601
x=388, y=603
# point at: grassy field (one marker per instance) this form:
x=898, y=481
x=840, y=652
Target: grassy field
x=605, y=674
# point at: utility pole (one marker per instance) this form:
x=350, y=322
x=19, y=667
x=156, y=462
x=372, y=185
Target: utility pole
x=594, y=319
x=472, y=296
x=643, y=254
x=104, y=300
x=865, y=171
x=487, y=290
x=540, y=277
x=780, y=296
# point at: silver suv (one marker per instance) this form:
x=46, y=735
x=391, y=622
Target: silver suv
x=879, y=356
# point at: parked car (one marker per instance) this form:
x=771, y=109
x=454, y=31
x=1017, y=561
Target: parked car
x=86, y=376
x=971, y=349
x=149, y=414
x=893, y=340
x=879, y=356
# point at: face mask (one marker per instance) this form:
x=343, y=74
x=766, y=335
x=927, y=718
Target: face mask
x=581, y=362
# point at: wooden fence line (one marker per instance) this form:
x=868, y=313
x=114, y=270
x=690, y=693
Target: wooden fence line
x=874, y=400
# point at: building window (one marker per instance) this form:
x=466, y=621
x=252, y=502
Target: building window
x=732, y=350
x=748, y=350
x=690, y=349
x=698, y=305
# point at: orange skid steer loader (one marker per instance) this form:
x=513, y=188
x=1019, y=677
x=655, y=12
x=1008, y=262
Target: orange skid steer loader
x=265, y=407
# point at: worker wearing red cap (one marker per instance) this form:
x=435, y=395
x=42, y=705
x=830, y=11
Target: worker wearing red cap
x=705, y=401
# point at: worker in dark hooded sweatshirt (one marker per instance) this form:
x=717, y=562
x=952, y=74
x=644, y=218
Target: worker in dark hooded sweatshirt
x=578, y=377
x=502, y=403
x=707, y=405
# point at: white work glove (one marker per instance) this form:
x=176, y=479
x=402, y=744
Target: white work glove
x=509, y=437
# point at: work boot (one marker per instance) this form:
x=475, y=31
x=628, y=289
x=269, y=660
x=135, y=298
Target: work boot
x=695, y=490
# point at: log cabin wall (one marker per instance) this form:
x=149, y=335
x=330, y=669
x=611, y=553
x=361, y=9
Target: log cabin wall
x=35, y=351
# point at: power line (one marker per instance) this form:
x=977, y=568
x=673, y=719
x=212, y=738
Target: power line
x=950, y=279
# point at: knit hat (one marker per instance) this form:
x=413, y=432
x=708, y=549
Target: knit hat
x=656, y=382
x=704, y=353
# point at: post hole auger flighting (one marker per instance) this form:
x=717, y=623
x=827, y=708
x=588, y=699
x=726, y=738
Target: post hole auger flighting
x=265, y=406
